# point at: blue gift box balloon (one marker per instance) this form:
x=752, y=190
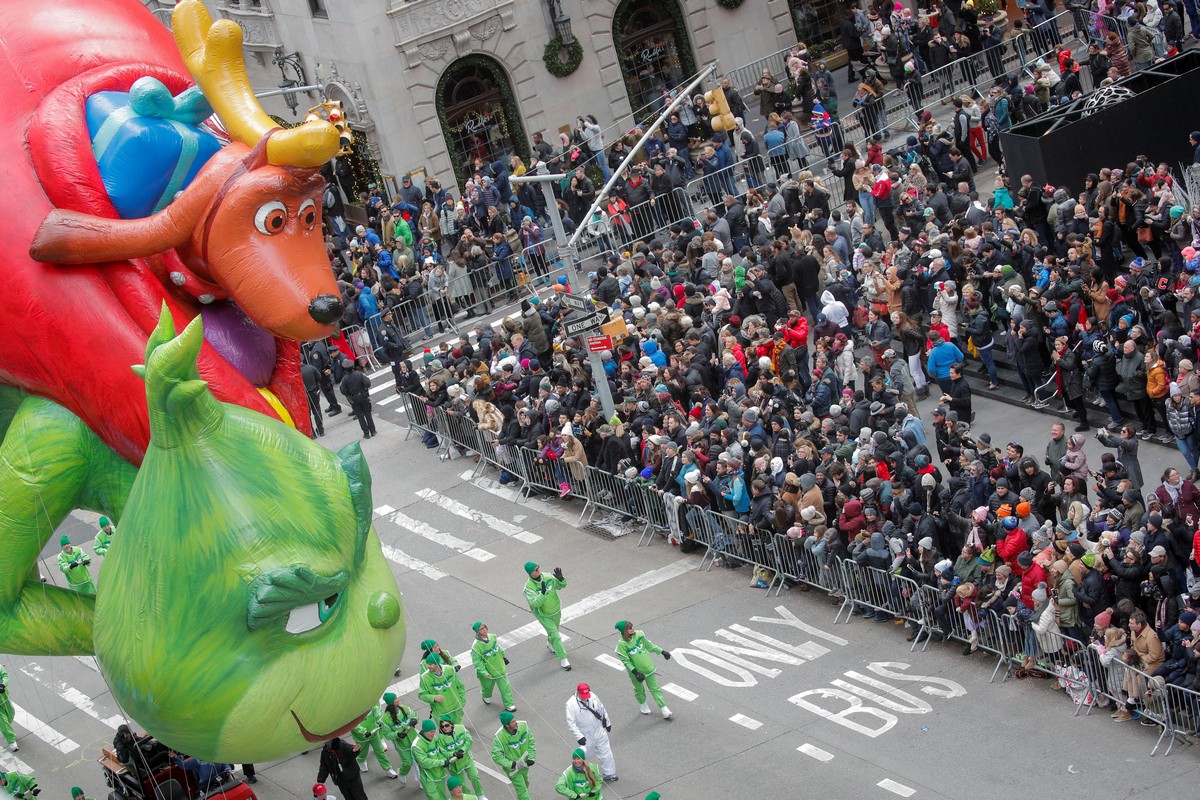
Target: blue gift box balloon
x=148, y=144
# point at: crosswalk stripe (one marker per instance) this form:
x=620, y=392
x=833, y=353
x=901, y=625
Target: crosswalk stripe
x=11, y=763
x=383, y=511
x=500, y=776
x=896, y=788
x=587, y=605
x=547, y=508
x=43, y=731
x=746, y=722
x=462, y=510
x=71, y=695
x=679, y=691
x=387, y=401
x=417, y=565
x=427, y=531
x=610, y=660
x=382, y=386
x=815, y=752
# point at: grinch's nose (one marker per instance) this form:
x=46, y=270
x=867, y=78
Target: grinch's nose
x=383, y=610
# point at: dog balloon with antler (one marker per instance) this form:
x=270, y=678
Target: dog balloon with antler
x=245, y=566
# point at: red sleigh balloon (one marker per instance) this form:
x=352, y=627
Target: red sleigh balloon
x=241, y=244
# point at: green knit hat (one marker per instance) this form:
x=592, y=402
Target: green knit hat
x=428, y=725
x=427, y=645
x=654, y=796
x=445, y=718
x=64, y=540
x=433, y=658
x=507, y=717
x=530, y=567
x=389, y=698
x=1089, y=560
x=477, y=626
x=620, y=626
x=103, y=524
x=579, y=753
x=453, y=782
x=76, y=791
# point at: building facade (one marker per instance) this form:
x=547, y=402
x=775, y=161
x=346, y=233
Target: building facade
x=430, y=85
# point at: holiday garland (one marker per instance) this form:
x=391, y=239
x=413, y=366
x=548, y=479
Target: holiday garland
x=508, y=103
x=558, y=65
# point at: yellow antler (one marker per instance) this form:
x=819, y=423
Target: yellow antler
x=212, y=52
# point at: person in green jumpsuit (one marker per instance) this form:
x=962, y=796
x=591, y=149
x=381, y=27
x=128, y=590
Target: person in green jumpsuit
x=542, y=595
x=581, y=781
x=441, y=688
x=491, y=666
x=369, y=735
x=431, y=761
x=104, y=537
x=74, y=564
x=430, y=646
x=456, y=742
x=654, y=796
x=7, y=712
x=22, y=787
x=514, y=751
x=634, y=650
x=456, y=790
x=398, y=724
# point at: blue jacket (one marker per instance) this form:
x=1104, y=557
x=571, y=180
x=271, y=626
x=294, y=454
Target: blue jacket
x=650, y=348
x=941, y=358
x=368, y=306
x=735, y=493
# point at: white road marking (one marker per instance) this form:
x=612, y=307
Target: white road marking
x=71, y=695
x=383, y=511
x=387, y=401
x=417, y=565
x=609, y=660
x=746, y=722
x=11, y=763
x=572, y=612
x=43, y=731
x=815, y=752
x=427, y=531
x=562, y=513
x=382, y=386
x=896, y=788
x=679, y=691
x=500, y=776
x=89, y=662
x=462, y=510
x=378, y=372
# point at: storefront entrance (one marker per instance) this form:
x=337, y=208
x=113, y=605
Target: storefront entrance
x=653, y=49
x=479, y=115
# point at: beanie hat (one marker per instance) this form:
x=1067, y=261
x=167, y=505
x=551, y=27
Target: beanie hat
x=1089, y=560
x=620, y=626
x=427, y=645
x=987, y=557
x=1025, y=559
x=507, y=717
x=530, y=567
x=477, y=626
x=1187, y=618
x=926, y=543
x=104, y=523
x=578, y=753
x=64, y=541
x=433, y=658
x=453, y=782
x=428, y=725
x=76, y=791
x=389, y=698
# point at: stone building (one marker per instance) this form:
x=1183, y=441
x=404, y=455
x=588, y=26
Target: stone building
x=431, y=84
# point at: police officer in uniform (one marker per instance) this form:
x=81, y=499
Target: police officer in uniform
x=356, y=387
x=321, y=357
x=312, y=388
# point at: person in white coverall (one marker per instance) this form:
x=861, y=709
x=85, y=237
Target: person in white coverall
x=588, y=722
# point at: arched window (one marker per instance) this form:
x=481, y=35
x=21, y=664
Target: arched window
x=479, y=114
x=653, y=49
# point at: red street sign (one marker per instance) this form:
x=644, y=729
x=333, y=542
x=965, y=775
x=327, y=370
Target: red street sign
x=598, y=344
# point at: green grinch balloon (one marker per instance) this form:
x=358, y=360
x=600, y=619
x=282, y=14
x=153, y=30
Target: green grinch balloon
x=246, y=611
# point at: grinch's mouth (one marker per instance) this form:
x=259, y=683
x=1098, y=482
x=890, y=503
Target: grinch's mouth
x=317, y=738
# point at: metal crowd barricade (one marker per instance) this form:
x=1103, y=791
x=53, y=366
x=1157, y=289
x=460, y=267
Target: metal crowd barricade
x=417, y=413
x=705, y=529
x=662, y=514
x=539, y=472
x=793, y=561
x=460, y=430
x=612, y=493
x=884, y=593
x=747, y=76
x=488, y=454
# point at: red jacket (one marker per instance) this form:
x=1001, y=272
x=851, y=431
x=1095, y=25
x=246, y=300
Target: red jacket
x=1012, y=546
x=882, y=189
x=796, y=333
x=1030, y=579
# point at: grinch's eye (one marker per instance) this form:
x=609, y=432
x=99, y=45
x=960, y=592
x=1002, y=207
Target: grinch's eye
x=326, y=606
x=296, y=596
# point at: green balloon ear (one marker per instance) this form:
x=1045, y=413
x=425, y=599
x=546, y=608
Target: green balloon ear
x=179, y=401
x=354, y=464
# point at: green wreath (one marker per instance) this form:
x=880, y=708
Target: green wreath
x=558, y=66
x=730, y=4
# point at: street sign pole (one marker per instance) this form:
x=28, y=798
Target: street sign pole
x=578, y=282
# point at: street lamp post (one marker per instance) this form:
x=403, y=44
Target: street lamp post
x=567, y=252
x=289, y=83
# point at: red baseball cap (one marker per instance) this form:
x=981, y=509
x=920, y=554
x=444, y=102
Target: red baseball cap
x=318, y=789
x=584, y=690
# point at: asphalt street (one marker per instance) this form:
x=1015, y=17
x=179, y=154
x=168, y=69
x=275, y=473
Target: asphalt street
x=770, y=697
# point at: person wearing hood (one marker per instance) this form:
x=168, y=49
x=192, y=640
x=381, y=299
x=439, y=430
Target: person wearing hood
x=634, y=650
x=650, y=349
x=835, y=312
x=1074, y=463
x=338, y=761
